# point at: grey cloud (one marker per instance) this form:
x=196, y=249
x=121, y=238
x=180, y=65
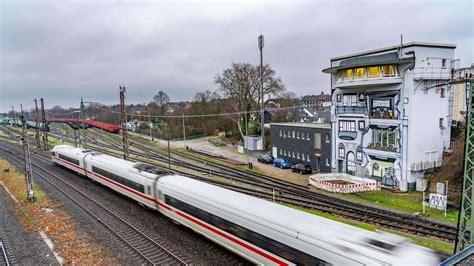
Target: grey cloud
x=62, y=51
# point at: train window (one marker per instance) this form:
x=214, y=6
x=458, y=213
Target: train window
x=69, y=159
x=149, y=190
x=248, y=235
x=126, y=182
x=53, y=153
x=151, y=169
x=381, y=244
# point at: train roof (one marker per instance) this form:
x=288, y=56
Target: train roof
x=142, y=169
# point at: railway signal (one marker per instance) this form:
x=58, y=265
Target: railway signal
x=37, y=132
x=30, y=193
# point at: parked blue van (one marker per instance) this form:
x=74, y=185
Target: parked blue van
x=282, y=163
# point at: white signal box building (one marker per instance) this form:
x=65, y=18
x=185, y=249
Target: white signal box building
x=392, y=111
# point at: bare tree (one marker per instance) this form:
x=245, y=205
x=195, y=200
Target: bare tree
x=241, y=84
x=161, y=100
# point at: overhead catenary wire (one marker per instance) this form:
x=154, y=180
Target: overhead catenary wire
x=202, y=115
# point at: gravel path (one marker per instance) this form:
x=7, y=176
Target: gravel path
x=28, y=247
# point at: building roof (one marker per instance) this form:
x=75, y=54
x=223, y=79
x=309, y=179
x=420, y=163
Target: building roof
x=370, y=60
x=301, y=124
x=405, y=45
x=321, y=97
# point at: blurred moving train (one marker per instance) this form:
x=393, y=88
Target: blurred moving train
x=258, y=230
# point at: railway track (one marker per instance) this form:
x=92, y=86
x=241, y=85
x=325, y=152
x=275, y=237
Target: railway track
x=143, y=247
x=395, y=221
x=302, y=196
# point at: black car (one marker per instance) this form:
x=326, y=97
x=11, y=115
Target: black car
x=265, y=158
x=302, y=169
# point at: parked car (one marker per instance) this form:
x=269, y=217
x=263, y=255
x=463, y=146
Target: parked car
x=265, y=158
x=302, y=169
x=282, y=163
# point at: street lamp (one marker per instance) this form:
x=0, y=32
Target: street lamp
x=260, y=46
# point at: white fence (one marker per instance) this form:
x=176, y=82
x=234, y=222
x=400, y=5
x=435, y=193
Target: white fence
x=357, y=184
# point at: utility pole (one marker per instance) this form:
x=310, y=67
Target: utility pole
x=151, y=124
x=246, y=138
x=43, y=120
x=81, y=124
x=260, y=46
x=30, y=192
x=184, y=133
x=123, y=119
x=14, y=116
x=465, y=235
x=37, y=132
x=168, y=138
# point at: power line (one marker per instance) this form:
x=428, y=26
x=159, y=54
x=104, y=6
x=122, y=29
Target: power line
x=202, y=115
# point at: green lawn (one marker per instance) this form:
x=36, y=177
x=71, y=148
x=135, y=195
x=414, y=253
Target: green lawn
x=408, y=202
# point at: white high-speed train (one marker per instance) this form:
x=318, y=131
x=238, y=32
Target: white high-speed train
x=261, y=231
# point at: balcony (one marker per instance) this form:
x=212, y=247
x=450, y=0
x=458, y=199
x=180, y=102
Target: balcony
x=382, y=152
x=431, y=73
x=359, y=110
x=347, y=135
x=367, y=82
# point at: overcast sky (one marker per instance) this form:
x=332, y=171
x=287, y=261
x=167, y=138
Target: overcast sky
x=62, y=50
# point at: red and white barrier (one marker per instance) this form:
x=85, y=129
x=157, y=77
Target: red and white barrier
x=358, y=184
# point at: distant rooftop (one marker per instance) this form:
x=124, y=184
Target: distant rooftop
x=405, y=45
x=302, y=124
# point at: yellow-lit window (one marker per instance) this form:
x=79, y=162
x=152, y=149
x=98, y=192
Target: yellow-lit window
x=360, y=72
x=388, y=71
x=348, y=74
x=339, y=75
x=374, y=72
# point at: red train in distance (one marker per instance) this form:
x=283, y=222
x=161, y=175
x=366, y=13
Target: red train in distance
x=107, y=127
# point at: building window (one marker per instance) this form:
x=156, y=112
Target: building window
x=384, y=139
x=293, y=154
x=349, y=100
x=293, y=133
x=298, y=155
x=281, y=151
x=441, y=93
x=443, y=63
x=350, y=167
x=359, y=154
x=373, y=72
x=307, y=135
x=362, y=125
x=307, y=156
x=327, y=138
x=441, y=123
x=281, y=133
x=338, y=98
x=289, y=134
x=341, y=150
x=349, y=74
x=345, y=125
x=317, y=141
x=388, y=71
x=360, y=73
x=302, y=156
x=298, y=135
x=327, y=162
